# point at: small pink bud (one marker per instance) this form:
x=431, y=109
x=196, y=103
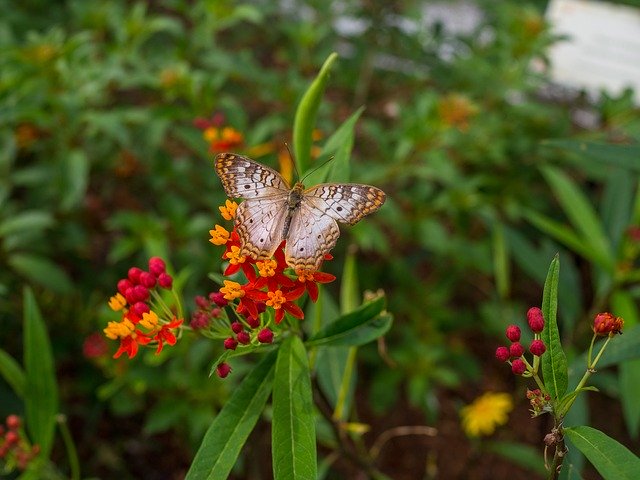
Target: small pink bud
x=516, y=349
x=223, y=369
x=215, y=312
x=156, y=266
x=141, y=292
x=513, y=333
x=130, y=295
x=535, y=319
x=253, y=322
x=230, y=343
x=237, y=327
x=134, y=274
x=537, y=347
x=265, y=336
x=202, y=302
x=218, y=299
x=11, y=437
x=13, y=422
x=243, y=338
x=124, y=285
x=165, y=280
x=502, y=354
x=140, y=308
x=147, y=280
x=518, y=367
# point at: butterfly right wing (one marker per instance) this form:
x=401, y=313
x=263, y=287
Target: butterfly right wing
x=244, y=178
x=260, y=225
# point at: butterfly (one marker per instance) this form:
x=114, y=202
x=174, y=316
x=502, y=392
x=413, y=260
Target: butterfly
x=307, y=219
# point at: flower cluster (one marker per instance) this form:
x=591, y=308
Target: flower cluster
x=146, y=318
x=606, y=324
x=270, y=287
x=15, y=449
x=539, y=400
x=514, y=354
x=220, y=138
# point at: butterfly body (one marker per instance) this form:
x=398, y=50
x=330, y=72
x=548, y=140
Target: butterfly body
x=272, y=211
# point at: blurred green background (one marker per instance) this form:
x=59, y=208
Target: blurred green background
x=489, y=171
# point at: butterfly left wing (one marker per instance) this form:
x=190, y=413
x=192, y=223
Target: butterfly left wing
x=312, y=234
x=345, y=202
x=241, y=177
x=260, y=225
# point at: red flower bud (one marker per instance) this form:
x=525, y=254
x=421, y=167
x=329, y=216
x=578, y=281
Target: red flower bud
x=535, y=319
x=516, y=349
x=237, y=327
x=606, y=324
x=513, y=333
x=218, y=299
x=130, y=295
x=201, y=301
x=141, y=293
x=134, y=275
x=140, y=308
x=13, y=422
x=243, y=338
x=537, y=347
x=94, y=346
x=11, y=437
x=215, y=312
x=518, y=367
x=147, y=280
x=157, y=266
x=165, y=280
x=502, y=354
x=265, y=336
x=223, y=369
x=124, y=285
x=230, y=343
x=254, y=322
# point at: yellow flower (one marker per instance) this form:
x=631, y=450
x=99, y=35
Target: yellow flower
x=117, y=302
x=149, y=320
x=119, y=329
x=267, y=268
x=228, y=210
x=276, y=299
x=232, y=290
x=234, y=256
x=485, y=413
x=219, y=235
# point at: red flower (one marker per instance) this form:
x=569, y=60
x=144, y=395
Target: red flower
x=311, y=279
x=166, y=335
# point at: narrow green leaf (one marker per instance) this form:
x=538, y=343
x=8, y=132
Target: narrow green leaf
x=519, y=454
x=625, y=156
x=356, y=328
x=230, y=429
x=41, y=390
x=569, y=470
x=349, y=289
x=580, y=212
x=12, y=372
x=75, y=179
x=26, y=220
x=306, y=114
x=500, y=260
x=616, y=207
x=293, y=431
x=554, y=362
x=42, y=271
x=613, y=460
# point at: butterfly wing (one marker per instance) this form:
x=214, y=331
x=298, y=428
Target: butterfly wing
x=260, y=225
x=244, y=178
x=345, y=202
x=312, y=234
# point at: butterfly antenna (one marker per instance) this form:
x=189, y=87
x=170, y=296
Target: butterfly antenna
x=318, y=167
x=293, y=161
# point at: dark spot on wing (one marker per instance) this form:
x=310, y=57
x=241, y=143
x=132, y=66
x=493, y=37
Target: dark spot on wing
x=339, y=209
x=246, y=187
x=302, y=249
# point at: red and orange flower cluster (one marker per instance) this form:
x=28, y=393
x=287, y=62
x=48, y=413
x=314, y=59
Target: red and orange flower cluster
x=220, y=138
x=139, y=300
x=271, y=286
x=15, y=449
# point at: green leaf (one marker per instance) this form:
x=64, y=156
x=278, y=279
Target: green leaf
x=26, y=220
x=42, y=271
x=75, y=178
x=616, y=207
x=625, y=156
x=358, y=327
x=306, y=114
x=554, y=362
x=41, y=390
x=231, y=427
x=612, y=459
x=293, y=432
x=519, y=454
x=500, y=260
x=12, y=372
x=349, y=289
x=581, y=214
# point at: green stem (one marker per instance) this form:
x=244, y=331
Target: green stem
x=72, y=453
x=346, y=382
x=317, y=325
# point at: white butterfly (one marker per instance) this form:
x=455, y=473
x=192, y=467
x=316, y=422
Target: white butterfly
x=272, y=211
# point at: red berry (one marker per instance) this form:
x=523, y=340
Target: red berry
x=141, y=293
x=13, y=422
x=124, y=285
x=139, y=308
x=134, y=274
x=223, y=369
x=130, y=295
x=230, y=343
x=513, y=333
x=535, y=319
x=218, y=299
x=265, y=336
x=11, y=437
x=537, y=347
x=165, y=280
x=518, y=367
x=516, y=349
x=243, y=338
x=147, y=279
x=502, y=354
x=157, y=266
x=237, y=327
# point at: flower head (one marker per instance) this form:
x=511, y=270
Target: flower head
x=607, y=324
x=535, y=319
x=485, y=413
x=228, y=210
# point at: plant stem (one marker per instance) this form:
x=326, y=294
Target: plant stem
x=72, y=453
